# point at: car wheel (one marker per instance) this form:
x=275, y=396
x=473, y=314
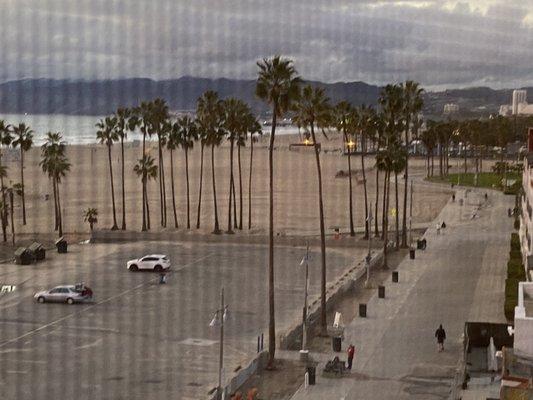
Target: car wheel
x=70, y=301
x=134, y=268
x=41, y=299
x=158, y=268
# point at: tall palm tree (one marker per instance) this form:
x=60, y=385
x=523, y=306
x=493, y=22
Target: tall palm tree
x=5, y=140
x=344, y=116
x=253, y=126
x=277, y=85
x=365, y=122
x=313, y=110
x=202, y=137
x=146, y=170
x=188, y=134
x=55, y=164
x=248, y=124
x=160, y=117
x=144, y=117
x=107, y=134
x=210, y=113
x=412, y=105
x=429, y=139
x=23, y=139
x=173, y=142
x=126, y=121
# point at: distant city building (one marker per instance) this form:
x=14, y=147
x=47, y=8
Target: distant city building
x=519, y=105
x=451, y=108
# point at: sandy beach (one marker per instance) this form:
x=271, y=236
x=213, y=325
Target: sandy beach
x=296, y=204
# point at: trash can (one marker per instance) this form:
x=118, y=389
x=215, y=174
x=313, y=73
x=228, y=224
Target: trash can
x=61, y=245
x=362, y=310
x=311, y=373
x=381, y=292
x=23, y=256
x=38, y=251
x=412, y=254
x=395, y=276
x=336, y=343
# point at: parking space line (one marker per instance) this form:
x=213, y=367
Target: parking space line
x=55, y=322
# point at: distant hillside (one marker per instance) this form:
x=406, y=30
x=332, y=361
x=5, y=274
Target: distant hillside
x=48, y=96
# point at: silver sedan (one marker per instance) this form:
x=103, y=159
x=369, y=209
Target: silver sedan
x=69, y=294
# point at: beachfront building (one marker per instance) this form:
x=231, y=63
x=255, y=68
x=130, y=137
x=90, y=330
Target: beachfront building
x=450, y=108
x=519, y=105
x=526, y=217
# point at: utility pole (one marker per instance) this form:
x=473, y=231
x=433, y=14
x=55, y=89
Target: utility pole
x=306, y=289
x=369, y=255
x=218, y=319
x=411, y=216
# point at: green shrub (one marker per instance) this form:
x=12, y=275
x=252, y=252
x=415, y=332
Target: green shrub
x=508, y=307
x=517, y=224
x=515, y=241
x=515, y=270
x=511, y=297
x=511, y=287
x=515, y=254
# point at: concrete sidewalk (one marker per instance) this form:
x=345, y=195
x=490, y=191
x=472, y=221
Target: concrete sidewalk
x=458, y=278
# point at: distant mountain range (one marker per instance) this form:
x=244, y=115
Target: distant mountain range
x=101, y=97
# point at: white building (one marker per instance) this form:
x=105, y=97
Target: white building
x=519, y=105
x=526, y=217
x=451, y=108
x=523, y=320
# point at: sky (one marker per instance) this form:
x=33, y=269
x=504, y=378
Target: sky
x=440, y=43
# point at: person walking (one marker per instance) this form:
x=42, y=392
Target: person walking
x=351, y=353
x=440, y=334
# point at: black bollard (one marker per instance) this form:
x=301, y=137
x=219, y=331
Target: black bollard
x=412, y=254
x=381, y=292
x=362, y=310
x=395, y=276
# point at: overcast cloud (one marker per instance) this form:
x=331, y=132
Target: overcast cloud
x=439, y=43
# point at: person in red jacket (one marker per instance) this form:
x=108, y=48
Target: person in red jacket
x=351, y=353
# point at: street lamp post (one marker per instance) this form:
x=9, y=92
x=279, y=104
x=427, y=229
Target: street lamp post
x=369, y=255
x=411, y=217
x=306, y=289
x=218, y=320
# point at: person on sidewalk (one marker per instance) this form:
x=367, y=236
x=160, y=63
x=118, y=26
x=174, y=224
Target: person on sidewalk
x=351, y=353
x=440, y=334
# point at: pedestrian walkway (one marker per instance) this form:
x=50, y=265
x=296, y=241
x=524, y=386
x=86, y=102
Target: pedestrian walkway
x=458, y=278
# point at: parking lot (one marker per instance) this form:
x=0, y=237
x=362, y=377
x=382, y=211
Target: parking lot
x=139, y=339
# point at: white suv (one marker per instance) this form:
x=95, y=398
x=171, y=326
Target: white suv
x=154, y=262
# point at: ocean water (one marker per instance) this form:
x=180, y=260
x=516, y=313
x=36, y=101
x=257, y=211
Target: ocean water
x=80, y=129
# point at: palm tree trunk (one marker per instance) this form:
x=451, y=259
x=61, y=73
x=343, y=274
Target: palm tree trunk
x=376, y=224
x=56, y=216
x=384, y=210
x=271, y=310
x=143, y=180
x=466, y=168
x=59, y=213
x=250, y=183
x=367, y=227
x=162, y=199
x=4, y=205
x=115, y=226
x=216, y=229
x=441, y=170
x=22, y=183
x=235, y=225
x=147, y=204
x=230, y=230
x=323, y=316
x=350, y=196
x=240, y=185
x=406, y=176
x=187, y=181
x=172, y=186
x=123, y=185
x=397, y=211
x=200, y=190
x=12, y=221
x=386, y=193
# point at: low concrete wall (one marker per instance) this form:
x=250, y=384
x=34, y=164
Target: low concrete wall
x=292, y=338
x=241, y=376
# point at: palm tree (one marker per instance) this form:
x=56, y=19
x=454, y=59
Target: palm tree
x=5, y=140
x=202, y=137
x=24, y=140
x=393, y=106
x=253, y=126
x=146, y=169
x=55, y=164
x=10, y=191
x=90, y=215
x=144, y=118
x=187, y=135
x=429, y=139
x=160, y=116
x=210, y=114
x=107, y=134
x=412, y=105
x=365, y=121
x=345, y=121
x=313, y=109
x=277, y=85
x=126, y=121
x=173, y=142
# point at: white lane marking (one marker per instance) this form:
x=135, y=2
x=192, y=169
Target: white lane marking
x=15, y=339
x=89, y=345
x=25, y=361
